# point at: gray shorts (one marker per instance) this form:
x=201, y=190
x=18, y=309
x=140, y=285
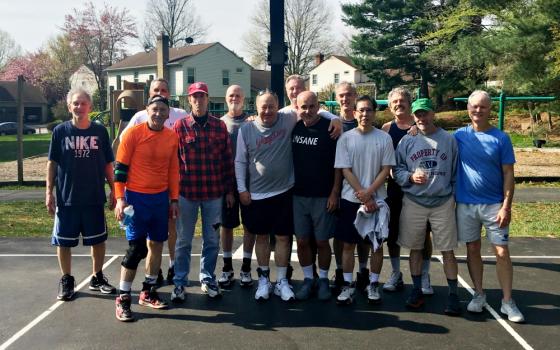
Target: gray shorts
x=312, y=218
x=471, y=218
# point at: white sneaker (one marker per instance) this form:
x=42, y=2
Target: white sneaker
x=226, y=279
x=284, y=290
x=511, y=310
x=426, y=285
x=394, y=283
x=245, y=279
x=373, y=294
x=477, y=303
x=263, y=290
x=346, y=295
x=178, y=294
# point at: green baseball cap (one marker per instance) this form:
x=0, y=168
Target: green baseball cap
x=422, y=104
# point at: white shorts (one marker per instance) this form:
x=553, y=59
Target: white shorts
x=471, y=218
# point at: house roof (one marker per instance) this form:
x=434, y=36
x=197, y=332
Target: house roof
x=346, y=60
x=260, y=79
x=149, y=59
x=31, y=94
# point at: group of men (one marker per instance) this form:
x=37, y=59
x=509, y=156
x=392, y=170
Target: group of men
x=286, y=173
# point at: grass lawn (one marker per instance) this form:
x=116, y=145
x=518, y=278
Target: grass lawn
x=520, y=140
x=32, y=145
x=30, y=219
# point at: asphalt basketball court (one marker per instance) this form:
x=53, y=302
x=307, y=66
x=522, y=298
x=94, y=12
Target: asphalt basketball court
x=32, y=318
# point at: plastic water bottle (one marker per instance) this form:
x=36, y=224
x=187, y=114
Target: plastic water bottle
x=127, y=219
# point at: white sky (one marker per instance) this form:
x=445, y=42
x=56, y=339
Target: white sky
x=32, y=22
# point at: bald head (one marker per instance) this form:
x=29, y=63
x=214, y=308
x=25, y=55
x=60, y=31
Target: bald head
x=235, y=97
x=307, y=106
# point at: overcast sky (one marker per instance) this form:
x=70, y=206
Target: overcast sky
x=32, y=22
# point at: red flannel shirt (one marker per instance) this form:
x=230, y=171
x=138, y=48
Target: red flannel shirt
x=205, y=159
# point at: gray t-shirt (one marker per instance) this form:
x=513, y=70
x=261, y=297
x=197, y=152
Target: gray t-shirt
x=233, y=125
x=436, y=155
x=365, y=154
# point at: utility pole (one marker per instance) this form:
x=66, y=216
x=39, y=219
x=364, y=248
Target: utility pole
x=20, y=129
x=277, y=49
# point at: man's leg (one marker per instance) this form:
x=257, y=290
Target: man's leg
x=427, y=256
x=211, y=222
x=362, y=276
x=450, y=269
x=504, y=270
x=137, y=250
x=171, y=241
x=376, y=263
x=98, y=280
x=338, y=247
x=282, y=253
x=474, y=263
x=186, y=222
x=245, y=278
x=416, y=298
x=97, y=257
x=64, y=255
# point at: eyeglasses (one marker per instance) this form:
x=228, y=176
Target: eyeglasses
x=267, y=92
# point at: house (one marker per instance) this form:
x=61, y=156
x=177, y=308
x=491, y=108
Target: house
x=35, y=109
x=334, y=70
x=84, y=78
x=211, y=63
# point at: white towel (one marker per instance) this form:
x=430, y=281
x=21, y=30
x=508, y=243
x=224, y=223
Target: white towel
x=373, y=225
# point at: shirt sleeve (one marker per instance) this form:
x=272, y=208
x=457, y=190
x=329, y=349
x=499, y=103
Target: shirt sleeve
x=388, y=152
x=507, y=154
x=241, y=163
x=326, y=114
x=342, y=156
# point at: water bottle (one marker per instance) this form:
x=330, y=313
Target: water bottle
x=127, y=219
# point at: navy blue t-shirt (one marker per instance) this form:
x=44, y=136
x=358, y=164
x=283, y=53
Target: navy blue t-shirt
x=81, y=156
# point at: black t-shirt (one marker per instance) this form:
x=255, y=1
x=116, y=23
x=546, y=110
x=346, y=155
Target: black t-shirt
x=81, y=156
x=314, y=153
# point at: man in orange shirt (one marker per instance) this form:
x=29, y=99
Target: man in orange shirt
x=147, y=177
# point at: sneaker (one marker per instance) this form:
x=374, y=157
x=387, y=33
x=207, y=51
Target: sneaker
x=159, y=280
x=245, y=279
x=373, y=295
x=284, y=290
x=122, y=308
x=178, y=294
x=337, y=280
x=511, y=310
x=66, y=288
x=170, y=274
x=306, y=289
x=477, y=303
x=264, y=287
x=415, y=299
x=395, y=282
x=426, y=285
x=211, y=288
x=346, y=296
x=323, y=289
x=226, y=279
x=101, y=285
x=362, y=280
x=151, y=299
x=453, y=308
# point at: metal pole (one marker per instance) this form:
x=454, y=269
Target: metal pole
x=277, y=49
x=501, y=111
x=20, y=129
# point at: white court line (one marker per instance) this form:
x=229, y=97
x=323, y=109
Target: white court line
x=78, y=255
x=493, y=312
x=53, y=307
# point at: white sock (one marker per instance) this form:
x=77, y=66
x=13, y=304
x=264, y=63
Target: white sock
x=323, y=273
x=125, y=286
x=396, y=264
x=347, y=276
x=264, y=268
x=151, y=279
x=307, y=271
x=281, y=272
x=373, y=277
x=247, y=255
x=426, y=266
x=171, y=263
x=363, y=266
x=227, y=254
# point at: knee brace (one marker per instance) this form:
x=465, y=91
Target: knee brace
x=137, y=250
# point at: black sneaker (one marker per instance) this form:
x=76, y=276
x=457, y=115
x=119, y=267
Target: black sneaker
x=289, y=273
x=66, y=288
x=337, y=280
x=415, y=300
x=453, y=308
x=159, y=280
x=102, y=285
x=362, y=280
x=122, y=308
x=170, y=275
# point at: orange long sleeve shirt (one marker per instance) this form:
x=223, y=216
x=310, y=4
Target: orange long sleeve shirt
x=153, y=163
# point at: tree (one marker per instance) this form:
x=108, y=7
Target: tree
x=176, y=18
x=306, y=30
x=101, y=36
x=8, y=48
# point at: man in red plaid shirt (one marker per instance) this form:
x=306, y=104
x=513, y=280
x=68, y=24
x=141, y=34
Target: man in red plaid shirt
x=206, y=175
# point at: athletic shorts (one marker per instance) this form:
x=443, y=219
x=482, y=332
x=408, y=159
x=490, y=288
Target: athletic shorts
x=312, y=218
x=151, y=216
x=271, y=216
x=471, y=218
x=395, y=207
x=345, y=229
x=230, y=216
x=70, y=222
x=414, y=221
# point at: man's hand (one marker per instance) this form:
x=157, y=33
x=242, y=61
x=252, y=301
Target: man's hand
x=245, y=198
x=364, y=195
x=413, y=131
x=119, y=208
x=335, y=128
x=50, y=203
x=230, y=200
x=173, y=210
x=371, y=206
x=504, y=217
x=419, y=177
x=112, y=201
x=333, y=201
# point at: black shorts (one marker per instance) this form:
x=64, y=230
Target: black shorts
x=345, y=230
x=395, y=207
x=230, y=216
x=272, y=215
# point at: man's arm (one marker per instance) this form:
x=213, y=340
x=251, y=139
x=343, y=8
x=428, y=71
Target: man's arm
x=49, y=196
x=241, y=163
x=333, y=200
x=109, y=175
x=335, y=127
x=504, y=215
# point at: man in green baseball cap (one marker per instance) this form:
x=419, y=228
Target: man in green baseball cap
x=424, y=104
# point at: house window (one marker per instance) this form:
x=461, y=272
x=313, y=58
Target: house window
x=225, y=77
x=118, y=82
x=190, y=75
x=151, y=77
x=238, y=70
x=346, y=72
x=136, y=76
x=336, y=78
x=314, y=79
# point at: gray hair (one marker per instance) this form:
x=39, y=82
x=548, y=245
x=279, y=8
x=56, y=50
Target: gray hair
x=295, y=77
x=347, y=84
x=159, y=80
x=401, y=90
x=77, y=91
x=482, y=93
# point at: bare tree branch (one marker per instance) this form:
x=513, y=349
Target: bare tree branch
x=8, y=48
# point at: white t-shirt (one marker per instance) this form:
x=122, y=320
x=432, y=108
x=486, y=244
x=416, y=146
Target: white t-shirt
x=365, y=154
x=142, y=116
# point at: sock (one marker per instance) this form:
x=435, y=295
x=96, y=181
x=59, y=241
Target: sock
x=228, y=263
x=247, y=255
x=452, y=286
x=417, y=281
x=363, y=266
x=125, y=287
x=426, y=266
x=307, y=271
x=227, y=254
x=323, y=273
x=281, y=272
x=246, y=266
x=150, y=279
x=396, y=264
x=171, y=263
x=373, y=277
x=347, y=277
x=99, y=275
